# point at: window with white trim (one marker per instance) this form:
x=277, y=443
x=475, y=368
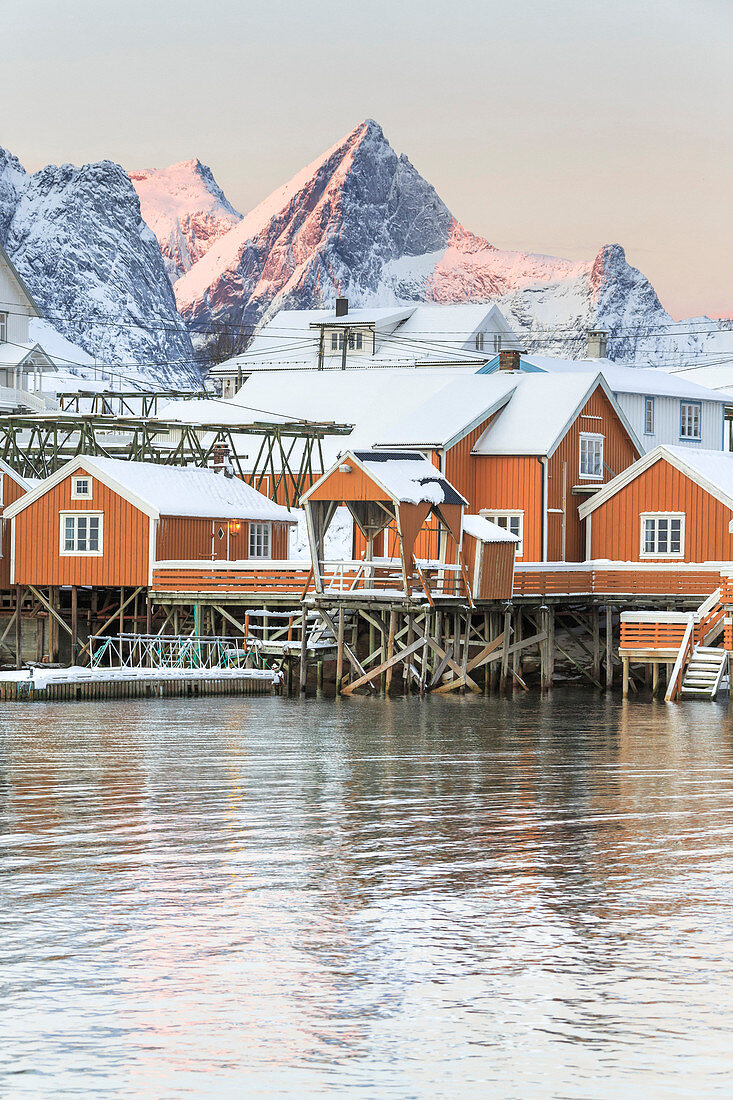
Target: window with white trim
x=3, y=327
x=479, y=341
x=591, y=455
x=81, y=488
x=663, y=535
x=648, y=416
x=81, y=533
x=513, y=522
x=690, y=412
x=259, y=540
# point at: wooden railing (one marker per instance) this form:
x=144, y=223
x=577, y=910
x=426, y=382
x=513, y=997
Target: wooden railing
x=683, y=657
x=616, y=579
x=382, y=576
x=649, y=630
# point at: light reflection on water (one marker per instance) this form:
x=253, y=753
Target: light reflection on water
x=456, y=898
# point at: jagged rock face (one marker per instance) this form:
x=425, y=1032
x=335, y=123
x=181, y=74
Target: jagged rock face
x=13, y=179
x=362, y=222
x=186, y=210
x=330, y=230
x=77, y=238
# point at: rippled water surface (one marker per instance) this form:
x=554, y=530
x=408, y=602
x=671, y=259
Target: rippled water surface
x=262, y=897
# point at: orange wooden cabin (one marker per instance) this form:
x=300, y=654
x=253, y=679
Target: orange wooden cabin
x=104, y=522
x=12, y=487
x=673, y=505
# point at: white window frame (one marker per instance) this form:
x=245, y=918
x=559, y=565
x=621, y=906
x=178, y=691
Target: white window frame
x=594, y=437
x=256, y=532
x=75, y=494
x=692, y=405
x=649, y=407
x=496, y=515
x=63, y=516
x=675, y=555
x=3, y=327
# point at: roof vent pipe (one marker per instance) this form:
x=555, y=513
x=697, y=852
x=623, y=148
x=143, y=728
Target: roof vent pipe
x=342, y=307
x=597, y=343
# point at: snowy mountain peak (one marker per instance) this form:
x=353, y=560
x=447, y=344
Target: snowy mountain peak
x=186, y=210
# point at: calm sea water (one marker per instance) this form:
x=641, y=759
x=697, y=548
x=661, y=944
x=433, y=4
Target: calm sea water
x=243, y=898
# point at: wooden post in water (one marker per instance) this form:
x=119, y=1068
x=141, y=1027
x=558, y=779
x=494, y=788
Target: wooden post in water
x=390, y=649
x=18, y=627
x=74, y=622
x=487, y=639
x=505, y=651
x=655, y=679
x=609, y=647
x=340, y=651
x=304, y=653
x=544, y=620
x=53, y=626
x=464, y=659
x=596, y=617
x=518, y=634
x=406, y=673
x=625, y=665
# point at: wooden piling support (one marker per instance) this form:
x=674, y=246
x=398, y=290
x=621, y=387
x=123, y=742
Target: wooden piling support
x=596, y=626
x=340, y=650
x=609, y=647
x=18, y=627
x=390, y=649
x=505, y=650
x=304, y=653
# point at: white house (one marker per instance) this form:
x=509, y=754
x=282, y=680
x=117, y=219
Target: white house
x=415, y=335
x=22, y=362
x=662, y=408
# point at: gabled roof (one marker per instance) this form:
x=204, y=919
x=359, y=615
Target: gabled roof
x=168, y=490
x=21, y=284
x=25, y=483
x=649, y=381
x=711, y=470
x=405, y=477
x=17, y=355
x=540, y=412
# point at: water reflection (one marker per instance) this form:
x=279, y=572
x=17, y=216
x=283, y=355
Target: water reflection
x=262, y=897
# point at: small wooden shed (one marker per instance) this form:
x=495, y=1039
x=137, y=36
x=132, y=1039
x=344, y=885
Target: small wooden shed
x=489, y=552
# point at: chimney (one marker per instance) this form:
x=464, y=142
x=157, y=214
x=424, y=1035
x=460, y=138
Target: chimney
x=342, y=307
x=221, y=454
x=597, y=344
x=509, y=359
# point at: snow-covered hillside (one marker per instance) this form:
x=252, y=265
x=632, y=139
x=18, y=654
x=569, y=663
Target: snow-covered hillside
x=186, y=210
x=360, y=221
x=93, y=265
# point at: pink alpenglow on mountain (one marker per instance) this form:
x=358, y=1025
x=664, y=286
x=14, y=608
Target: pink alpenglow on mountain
x=361, y=222
x=186, y=210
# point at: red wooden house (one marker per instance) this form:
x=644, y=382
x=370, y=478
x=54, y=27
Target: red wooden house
x=673, y=505
x=104, y=522
x=12, y=487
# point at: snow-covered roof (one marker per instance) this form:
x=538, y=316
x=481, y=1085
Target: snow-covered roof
x=406, y=477
x=169, y=490
x=712, y=470
x=716, y=376
x=626, y=379
x=25, y=483
x=20, y=283
x=540, y=411
x=406, y=336
x=15, y=355
x=486, y=531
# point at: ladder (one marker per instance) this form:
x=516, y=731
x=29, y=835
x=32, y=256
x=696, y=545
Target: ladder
x=704, y=673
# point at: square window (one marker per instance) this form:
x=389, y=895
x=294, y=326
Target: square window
x=663, y=536
x=81, y=533
x=81, y=488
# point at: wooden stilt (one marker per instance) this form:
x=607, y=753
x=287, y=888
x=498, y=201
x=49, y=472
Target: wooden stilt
x=406, y=672
x=18, y=627
x=518, y=635
x=655, y=679
x=596, y=624
x=74, y=622
x=625, y=665
x=319, y=679
x=486, y=640
x=340, y=651
x=304, y=653
x=505, y=650
x=390, y=650
x=609, y=647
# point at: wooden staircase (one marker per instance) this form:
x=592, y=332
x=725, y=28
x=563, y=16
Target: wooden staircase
x=704, y=673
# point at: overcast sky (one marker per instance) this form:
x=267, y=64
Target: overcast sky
x=551, y=125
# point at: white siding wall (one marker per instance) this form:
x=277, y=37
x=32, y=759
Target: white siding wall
x=14, y=304
x=667, y=422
